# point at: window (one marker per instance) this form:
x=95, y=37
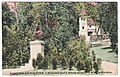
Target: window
x=90, y=26
x=83, y=27
x=83, y=19
x=90, y=33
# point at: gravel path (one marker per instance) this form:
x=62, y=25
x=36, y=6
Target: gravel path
x=109, y=67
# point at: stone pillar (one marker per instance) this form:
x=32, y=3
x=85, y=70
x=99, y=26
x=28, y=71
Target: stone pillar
x=36, y=47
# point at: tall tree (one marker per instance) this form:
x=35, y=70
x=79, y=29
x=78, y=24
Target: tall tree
x=108, y=21
x=8, y=20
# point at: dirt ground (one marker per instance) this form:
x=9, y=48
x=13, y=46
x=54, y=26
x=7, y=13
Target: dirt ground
x=109, y=67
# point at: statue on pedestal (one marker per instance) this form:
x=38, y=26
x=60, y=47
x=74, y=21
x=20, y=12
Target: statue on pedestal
x=37, y=33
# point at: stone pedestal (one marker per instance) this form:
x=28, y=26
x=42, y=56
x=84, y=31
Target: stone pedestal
x=36, y=47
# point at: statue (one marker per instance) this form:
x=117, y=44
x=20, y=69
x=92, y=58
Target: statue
x=37, y=33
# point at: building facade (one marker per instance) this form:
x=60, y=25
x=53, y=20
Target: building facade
x=87, y=26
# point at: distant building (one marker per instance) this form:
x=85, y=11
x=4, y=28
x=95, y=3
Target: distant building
x=87, y=26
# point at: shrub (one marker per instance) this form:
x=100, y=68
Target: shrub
x=99, y=61
x=63, y=63
x=71, y=63
x=34, y=63
x=93, y=56
x=88, y=65
x=78, y=65
x=96, y=67
x=45, y=63
x=39, y=61
x=54, y=63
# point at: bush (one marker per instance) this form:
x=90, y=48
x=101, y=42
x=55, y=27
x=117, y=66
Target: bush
x=88, y=66
x=71, y=63
x=63, y=63
x=96, y=68
x=93, y=56
x=39, y=61
x=34, y=64
x=44, y=63
x=54, y=63
x=99, y=61
x=78, y=65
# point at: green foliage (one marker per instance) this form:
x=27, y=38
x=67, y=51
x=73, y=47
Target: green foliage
x=99, y=61
x=44, y=63
x=54, y=63
x=77, y=49
x=78, y=65
x=59, y=22
x=39, y=61
x=88, y=65
x=96, y=68
x=108, y=21
x=15, y=51
x=8, y=18
x=71, y=63
x=15, y=48
x=63, y=63
x=34, y=63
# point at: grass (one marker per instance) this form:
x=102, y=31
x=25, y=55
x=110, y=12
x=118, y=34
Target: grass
x=105, y=53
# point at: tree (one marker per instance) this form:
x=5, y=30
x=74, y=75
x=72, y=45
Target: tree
x=8, y=41
x=93, y=56
x=8, y=18
x=99, y=61
x=108, y=21
x=58, y=21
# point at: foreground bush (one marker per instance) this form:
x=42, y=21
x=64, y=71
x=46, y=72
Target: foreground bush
x=34, y=64
x=39, y=61
x=54, y=63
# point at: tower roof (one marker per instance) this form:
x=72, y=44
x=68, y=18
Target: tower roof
x=83, y=12
x=90, y=21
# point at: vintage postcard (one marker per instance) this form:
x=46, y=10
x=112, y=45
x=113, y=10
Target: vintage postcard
x=59, y=38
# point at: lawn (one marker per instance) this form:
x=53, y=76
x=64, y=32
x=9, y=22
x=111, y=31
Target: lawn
x=105, y=53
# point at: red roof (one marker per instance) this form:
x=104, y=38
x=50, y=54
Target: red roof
x=91, y=21
x=83, y=12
